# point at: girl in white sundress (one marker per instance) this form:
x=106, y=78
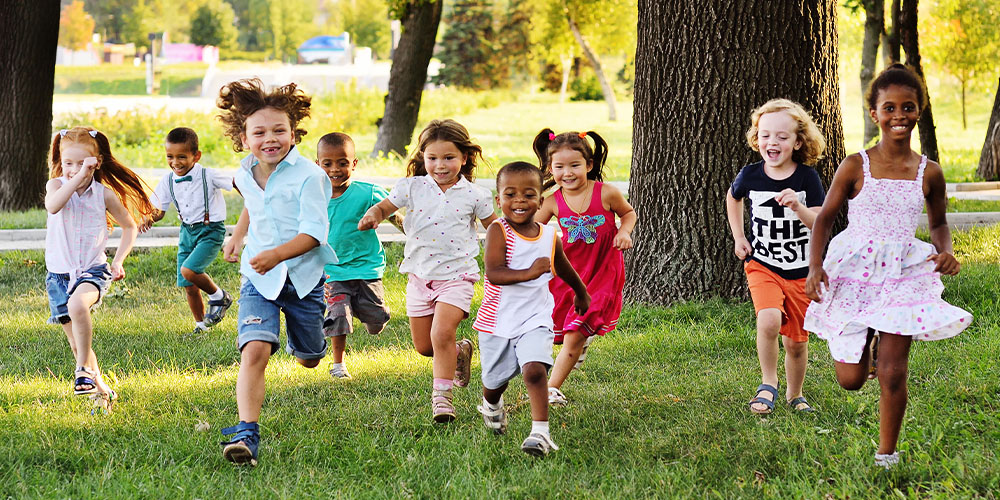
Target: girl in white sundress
x=879, y=287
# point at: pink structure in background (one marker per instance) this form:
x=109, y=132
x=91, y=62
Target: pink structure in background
x=189, y=52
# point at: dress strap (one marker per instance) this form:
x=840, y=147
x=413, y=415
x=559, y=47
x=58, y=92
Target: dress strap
x=596, y=205
x=920, y=169
x=865, y=164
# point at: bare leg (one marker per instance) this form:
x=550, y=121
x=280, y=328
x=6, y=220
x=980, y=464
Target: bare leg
x=420, y=331
x=538, y=390
x=893, y=366
x=852, y=376
x=796, y=355
x=102, y=386
x=337, y=346
x=201, y=280
x=572, y=347
x=250, y=380
x=492, y=396
x=195, y=302
x=442, y=336
x=768, y=325
x=82, y=326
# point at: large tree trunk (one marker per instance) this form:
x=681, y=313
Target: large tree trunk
x=692, y=105
x=908, y=38
x=407, y=77
x=890, y=49
x=28, y=59
x=989, y=159
x=874, y=27
x=595, y=62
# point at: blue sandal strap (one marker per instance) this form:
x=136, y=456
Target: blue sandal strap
x=242, y=431
x=768, y=403
x=794, y=403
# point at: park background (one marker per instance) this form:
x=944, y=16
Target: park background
x=654, y=412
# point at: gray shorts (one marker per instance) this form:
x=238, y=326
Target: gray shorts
x=502, y=358
x=346, y=300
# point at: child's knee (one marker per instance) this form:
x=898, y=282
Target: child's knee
x=308, y=363
x=769, y=321
x=192, y=290
x=795, y=348
x=534, y=374
x=851, y=382
x=188, y=274
x=255, y=353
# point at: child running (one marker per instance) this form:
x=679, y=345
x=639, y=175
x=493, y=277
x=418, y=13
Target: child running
x=354, y=284
x=515, y=319
x=196, y=193
x=88, y=192
x=878, y=278
x=586, y=210
x=785, y=196
x=284, y=221
x=441, y=247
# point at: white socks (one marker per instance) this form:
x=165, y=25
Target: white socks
x=492, y=406
x=540, y=426
x=218, y=295
x=886, y=461
x=200, y=325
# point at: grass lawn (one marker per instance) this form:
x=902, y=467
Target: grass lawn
x=658, y=410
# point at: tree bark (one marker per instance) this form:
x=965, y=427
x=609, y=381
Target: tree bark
x=874, y=27
x=28, y=59
x=701, y=68
x=890, y=49
x=408, y=76
x=595, y=62
x=908, y=38
x=989, y=159
x=567, y=65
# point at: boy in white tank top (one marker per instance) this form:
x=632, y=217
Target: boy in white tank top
x=515, y=318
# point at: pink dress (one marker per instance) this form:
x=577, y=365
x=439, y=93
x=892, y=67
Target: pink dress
x=587, y=241
x=879, y=274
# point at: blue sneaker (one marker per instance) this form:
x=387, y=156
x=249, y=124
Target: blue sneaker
x=242, y=449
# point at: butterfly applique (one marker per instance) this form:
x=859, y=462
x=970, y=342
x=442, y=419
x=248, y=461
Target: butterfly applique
x=583, y=227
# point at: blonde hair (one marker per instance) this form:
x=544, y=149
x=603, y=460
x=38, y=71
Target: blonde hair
x=813, y=143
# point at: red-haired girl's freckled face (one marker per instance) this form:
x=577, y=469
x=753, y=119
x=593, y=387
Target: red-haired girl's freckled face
x=72, y=156
x=569, y=169
x=897, y=111
x=268, y=135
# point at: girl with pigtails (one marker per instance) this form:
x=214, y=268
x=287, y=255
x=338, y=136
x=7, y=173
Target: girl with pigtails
x=586, y=209
x=88, y=191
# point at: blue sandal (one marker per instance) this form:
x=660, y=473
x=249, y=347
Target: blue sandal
x=801, y=400
x=87, y=381
x=768, y=403
x=242, y=448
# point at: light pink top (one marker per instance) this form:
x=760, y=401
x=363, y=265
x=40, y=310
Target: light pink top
x=75, y=237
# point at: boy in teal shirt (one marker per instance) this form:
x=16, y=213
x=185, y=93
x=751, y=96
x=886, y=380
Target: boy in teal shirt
x=354, y=285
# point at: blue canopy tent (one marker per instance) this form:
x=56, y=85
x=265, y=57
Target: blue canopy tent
x=326, y=48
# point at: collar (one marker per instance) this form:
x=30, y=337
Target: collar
x=293, y=156
x=462, y=183
x=196, y=168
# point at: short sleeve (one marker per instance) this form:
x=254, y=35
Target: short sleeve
x=378, y=194
x=314, y=196
x=161, y=195
x=484, y=204
x=219, y=180
x=815, y=194
x=739, y=189
x=400, y=195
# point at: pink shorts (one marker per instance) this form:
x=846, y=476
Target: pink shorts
x=422, y=295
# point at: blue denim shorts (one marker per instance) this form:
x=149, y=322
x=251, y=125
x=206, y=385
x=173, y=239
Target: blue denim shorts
x=259, y=320
x=57, y=286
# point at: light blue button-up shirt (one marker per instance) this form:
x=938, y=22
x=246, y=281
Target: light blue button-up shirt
x=293, y=202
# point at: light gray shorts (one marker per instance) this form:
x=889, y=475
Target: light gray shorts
x=502, y=358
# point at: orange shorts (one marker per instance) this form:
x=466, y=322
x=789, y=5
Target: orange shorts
x=768, y=290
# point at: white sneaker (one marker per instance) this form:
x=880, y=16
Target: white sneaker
x=538, y=445
x=494, y=419
x=340, y=372
x=556, y=397
x=887, y=461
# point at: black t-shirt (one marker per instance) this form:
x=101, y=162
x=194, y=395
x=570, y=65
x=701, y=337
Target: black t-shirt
x=780, y=241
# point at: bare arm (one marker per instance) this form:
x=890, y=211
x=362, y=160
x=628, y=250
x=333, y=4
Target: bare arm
x=376, y=214
x=495, y=261
x=843, y=186
x=564, y=270
x=616, y=202
x=231, y=250
x=57, y=192
x=734, y=212
x=547, y=210
x=937, y=204
x=487, y=221
x=129, y=233
x=790, y=199
x=267, y=259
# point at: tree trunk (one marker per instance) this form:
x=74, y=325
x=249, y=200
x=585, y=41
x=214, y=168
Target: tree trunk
x=407, y=77
x=701, y=68
x=964, y=124
x=890, y=49
x=595, y=62
x=28, y=59
x=874, y=27
x=908, y=38
x=989, y=159
x=567, y=65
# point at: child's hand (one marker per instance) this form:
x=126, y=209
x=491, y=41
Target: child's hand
x=540, y=266
x=367, y=222
x=265, y=261
x=623, y=240
x=581, y=303
x=742, y=248
x=815, y=283
x=117, y=271
x=788, y=198
x=231, y=250
x=146, y=224
x=946, y=263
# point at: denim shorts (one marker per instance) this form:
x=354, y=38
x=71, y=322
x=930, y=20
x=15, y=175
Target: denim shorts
x=57, y=286
x=259, y=320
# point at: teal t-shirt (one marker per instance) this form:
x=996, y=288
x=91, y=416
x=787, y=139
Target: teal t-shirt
x=360, y=253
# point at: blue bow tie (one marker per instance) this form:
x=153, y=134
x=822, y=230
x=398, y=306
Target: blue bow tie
x=182, y=179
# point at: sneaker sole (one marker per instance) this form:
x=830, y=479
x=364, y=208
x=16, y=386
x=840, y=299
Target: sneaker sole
x=444, y=418
x=239, y=454
x=535, y=452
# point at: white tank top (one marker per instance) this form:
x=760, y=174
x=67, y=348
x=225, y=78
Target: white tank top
x=509, y=311
x=75, y=237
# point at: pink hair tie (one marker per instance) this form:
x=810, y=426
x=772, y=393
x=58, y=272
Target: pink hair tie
x=552, y=136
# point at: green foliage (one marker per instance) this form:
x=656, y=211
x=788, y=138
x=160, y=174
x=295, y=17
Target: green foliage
x=367, y=22
x=75, y=26
x=468, y=51
x=962, y=37
x=514, y=40
x=212, y=24
x=586, y=88
x=244, y=55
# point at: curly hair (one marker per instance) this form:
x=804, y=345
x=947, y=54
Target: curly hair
x=242, y=98
x=896, y=74
x=546, y=143
x=449, y=131
x=129, y=188
x=813, y=142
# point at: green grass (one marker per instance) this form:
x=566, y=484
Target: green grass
x=957, y=205
x=125, y=79
x=659, y=409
